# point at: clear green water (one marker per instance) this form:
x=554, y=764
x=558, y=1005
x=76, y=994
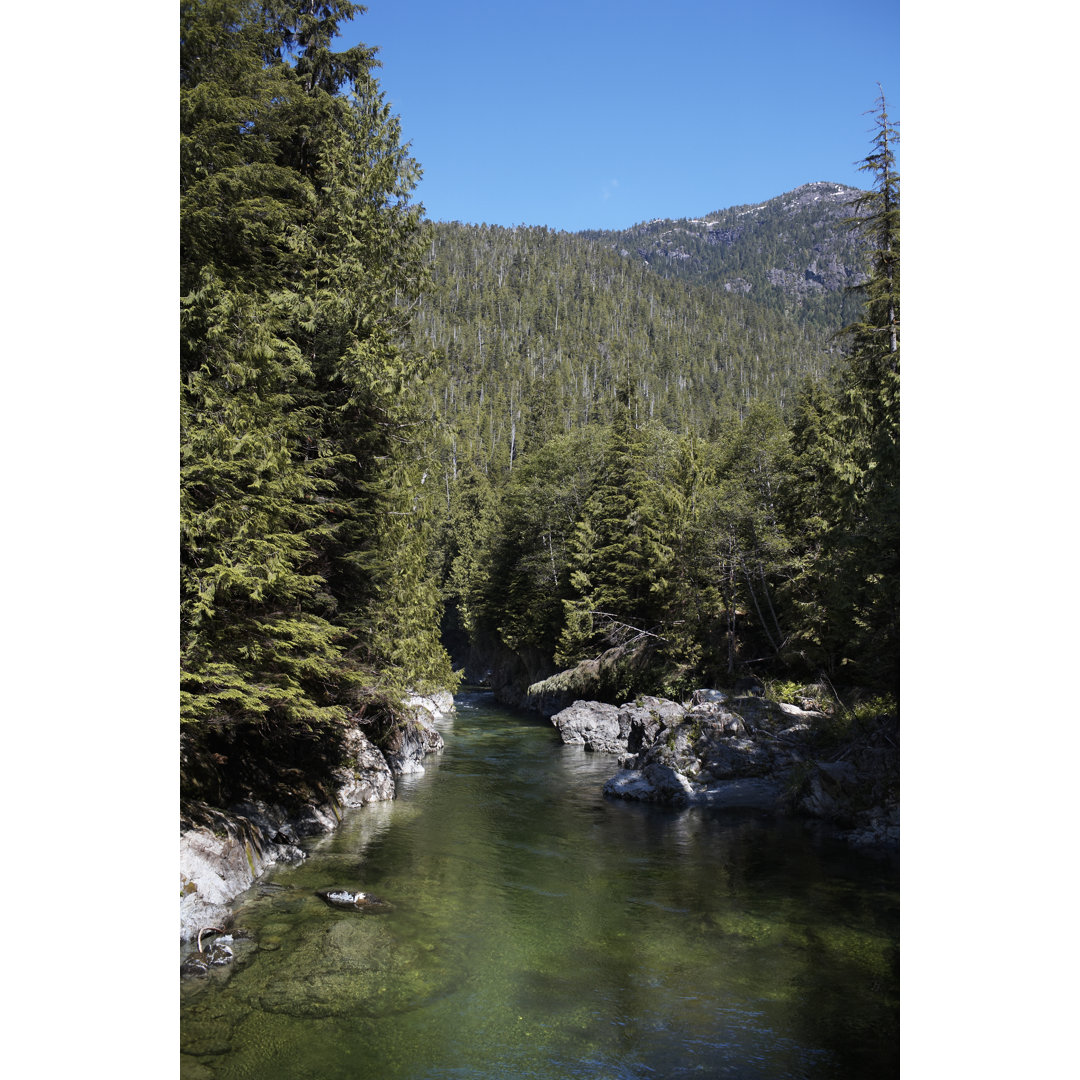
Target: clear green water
x=542, y=931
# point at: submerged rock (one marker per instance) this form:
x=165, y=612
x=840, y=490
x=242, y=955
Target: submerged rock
x=348, y=900
x=202, y=960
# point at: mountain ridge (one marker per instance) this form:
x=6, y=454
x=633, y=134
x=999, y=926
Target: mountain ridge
x=792, y=249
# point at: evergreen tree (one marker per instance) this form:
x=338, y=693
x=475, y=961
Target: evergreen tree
x=848, y=459
x=622, y=549
x=305, y=582
x=869, y=533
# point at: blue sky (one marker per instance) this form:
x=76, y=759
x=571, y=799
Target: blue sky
x=600, y=114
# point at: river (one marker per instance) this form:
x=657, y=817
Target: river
x=541, y=931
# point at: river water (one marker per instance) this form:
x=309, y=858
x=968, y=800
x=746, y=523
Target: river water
x=541, y=931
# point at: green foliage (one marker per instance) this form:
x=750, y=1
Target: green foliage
x=785, y=690
x=660, y=467
x=541, y=331
x=861, y=723
x=306, y=587
x=847, y=444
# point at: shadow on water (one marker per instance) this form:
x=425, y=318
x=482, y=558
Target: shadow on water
x=540, y=930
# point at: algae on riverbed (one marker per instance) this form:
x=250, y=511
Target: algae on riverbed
x=541, y=931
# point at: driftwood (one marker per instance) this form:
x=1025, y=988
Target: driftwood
x=208, y=930
x=198, y=963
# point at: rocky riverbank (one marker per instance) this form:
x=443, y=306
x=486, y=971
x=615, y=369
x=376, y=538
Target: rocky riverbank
x=223, y=857
x=740, y=749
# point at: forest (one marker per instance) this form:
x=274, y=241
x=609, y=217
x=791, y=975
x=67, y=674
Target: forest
x=415, y=451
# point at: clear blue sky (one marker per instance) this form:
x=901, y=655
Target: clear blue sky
x=600, y=114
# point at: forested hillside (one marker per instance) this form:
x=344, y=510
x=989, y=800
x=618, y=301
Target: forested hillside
x=642, y=462
x=654, y=447
x=536, y=330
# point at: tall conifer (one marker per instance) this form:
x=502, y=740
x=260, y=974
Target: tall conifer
x=848, y=459
x=305, y=583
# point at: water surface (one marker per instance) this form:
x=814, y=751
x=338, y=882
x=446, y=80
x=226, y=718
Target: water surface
x=542, y=931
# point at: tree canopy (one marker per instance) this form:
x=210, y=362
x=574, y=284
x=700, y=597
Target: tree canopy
x=306, y=591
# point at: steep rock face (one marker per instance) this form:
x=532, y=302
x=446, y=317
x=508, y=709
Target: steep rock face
x=368, y=777
x=407, y=746
x=215, y=868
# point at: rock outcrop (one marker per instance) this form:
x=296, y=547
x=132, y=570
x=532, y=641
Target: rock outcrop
x=216, y=865
x=223, y=858
x=592, y=724
x=616, y=729
x=368, y=777
x=408, y=745
x=737, y=749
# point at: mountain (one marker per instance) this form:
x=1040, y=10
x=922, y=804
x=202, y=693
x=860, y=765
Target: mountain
x=533, y=332
x=793, y=252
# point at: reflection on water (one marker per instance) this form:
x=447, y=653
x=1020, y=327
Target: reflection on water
x=540, y=930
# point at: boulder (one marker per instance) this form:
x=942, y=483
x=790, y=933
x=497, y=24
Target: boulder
x=647, y=719
x=656, y=783
x=594, y=725
x=205, y=957
x=437, y=706
x=315, y=820
x=702, y=697
x=712, y=716
x=830, y=785
x=669, y=786
x=629, y=784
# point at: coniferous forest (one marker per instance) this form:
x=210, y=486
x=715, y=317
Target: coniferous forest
x=412, y=449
